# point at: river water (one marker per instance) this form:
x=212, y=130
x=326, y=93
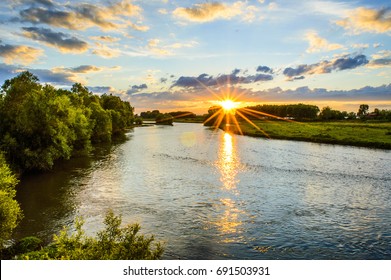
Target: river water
x=208, y=194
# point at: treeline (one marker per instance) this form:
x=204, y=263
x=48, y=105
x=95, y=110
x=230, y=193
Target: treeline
x=311, y=112
x=166, y=118
x=41, y=124
x=296, y=111
x=177, y=114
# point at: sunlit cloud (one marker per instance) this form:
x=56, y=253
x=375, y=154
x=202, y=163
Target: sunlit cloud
x=106, y=39
x=105, y=51
x=367, y=20
x=63, y=42
x=157, y=47
x=319, y=44
x=82, y=16
x=19, y=54
x=211, y=11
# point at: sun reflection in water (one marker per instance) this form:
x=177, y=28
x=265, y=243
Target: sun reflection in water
x=228, y=164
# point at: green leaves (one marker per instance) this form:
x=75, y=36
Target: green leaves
x=42, y=124
x=112, y=243
x=10, y=212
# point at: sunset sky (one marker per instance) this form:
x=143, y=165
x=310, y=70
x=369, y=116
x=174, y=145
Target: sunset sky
x=172, y=55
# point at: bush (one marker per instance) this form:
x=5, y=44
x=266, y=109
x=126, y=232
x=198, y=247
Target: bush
x=112, y=243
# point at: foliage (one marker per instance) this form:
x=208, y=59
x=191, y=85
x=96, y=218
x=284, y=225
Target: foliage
x=112, y=243
x=10, y=212
x=296, y=111
x=41, y=124
x=363, y=110
x=166, y=119
x=182, y=114
x=149, y=114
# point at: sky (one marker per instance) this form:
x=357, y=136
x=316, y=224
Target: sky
x=185, y=55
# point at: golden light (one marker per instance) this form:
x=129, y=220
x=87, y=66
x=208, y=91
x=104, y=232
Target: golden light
x=228, y=105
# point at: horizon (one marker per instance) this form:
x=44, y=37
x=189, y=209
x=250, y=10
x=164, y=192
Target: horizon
x=186, y=55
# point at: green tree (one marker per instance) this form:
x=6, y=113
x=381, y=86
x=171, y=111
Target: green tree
x=166, y=119
x=10, y=212
x=112, y=243
x=363, y=110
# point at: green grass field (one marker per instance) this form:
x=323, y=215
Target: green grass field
x=355, y=133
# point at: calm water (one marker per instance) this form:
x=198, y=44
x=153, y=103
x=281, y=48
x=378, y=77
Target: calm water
x=211, y=195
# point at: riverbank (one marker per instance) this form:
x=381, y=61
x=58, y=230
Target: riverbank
x=353, y=133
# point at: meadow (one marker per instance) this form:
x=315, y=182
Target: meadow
x=354, y=133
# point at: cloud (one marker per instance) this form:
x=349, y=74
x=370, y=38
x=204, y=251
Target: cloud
x=381, y=59
x=106, y=39
x=199, y=99
x=367, y=20
x=136, y=89
x=156, y=47
x=318, y=44
x=207, y=12
x=63, y=42
x=338, y=64
x=205, y=80
x=19, y=54
x=101, y=89
x=264, y=69
x=105, y=51
x=82, y=69
x=82, y=16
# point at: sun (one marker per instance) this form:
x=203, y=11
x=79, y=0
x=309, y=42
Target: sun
x=228, y=105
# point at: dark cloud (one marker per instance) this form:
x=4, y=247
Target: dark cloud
x=135, y=89
x=205, y=80
x=100, y=89
x=59, y=40
x=338, y=64
x=50, y=17
x=265, y=69
x=80, y=16
x=44, y=75
x=57, y=78
x=381, y=62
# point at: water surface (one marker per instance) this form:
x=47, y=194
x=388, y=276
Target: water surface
x=211, y=195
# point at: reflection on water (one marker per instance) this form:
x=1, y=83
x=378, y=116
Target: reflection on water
x=211, y=195
x=228, y=164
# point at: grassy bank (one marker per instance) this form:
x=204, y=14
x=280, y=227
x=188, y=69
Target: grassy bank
x=354, y=133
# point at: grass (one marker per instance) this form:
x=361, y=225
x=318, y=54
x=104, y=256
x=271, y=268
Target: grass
x=354, y=133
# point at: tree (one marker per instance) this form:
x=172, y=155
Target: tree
x=166, y=119
x=41, y=124
x=363, y=110
x=112, y=243
x=10, y=212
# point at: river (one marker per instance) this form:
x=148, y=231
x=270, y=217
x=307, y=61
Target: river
x=207, y=194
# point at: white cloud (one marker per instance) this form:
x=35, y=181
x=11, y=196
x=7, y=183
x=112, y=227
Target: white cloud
x=319, y=44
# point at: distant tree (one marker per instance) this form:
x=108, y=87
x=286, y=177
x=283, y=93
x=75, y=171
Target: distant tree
x=363, y=110
x=329, y=114
x=166, y=119
x=150, y=115
x=182, y=114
